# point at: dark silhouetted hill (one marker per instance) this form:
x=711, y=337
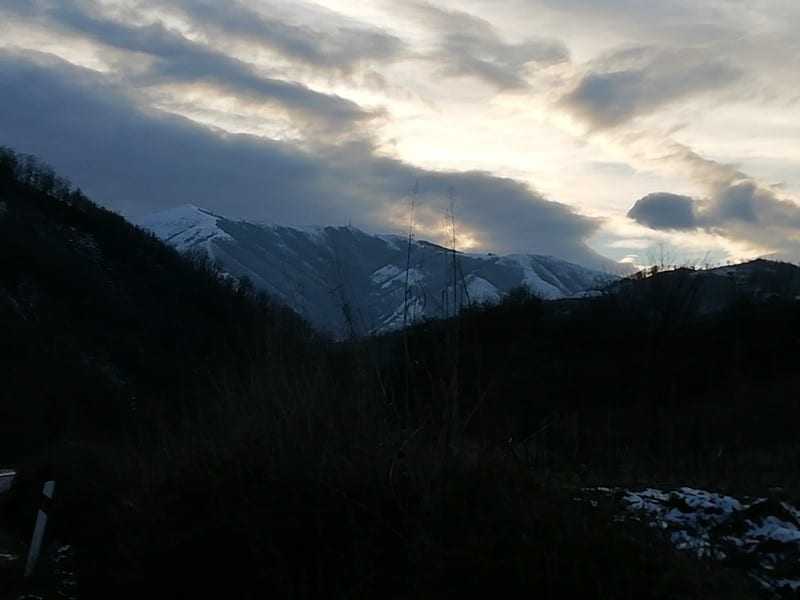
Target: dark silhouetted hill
x=101, y=322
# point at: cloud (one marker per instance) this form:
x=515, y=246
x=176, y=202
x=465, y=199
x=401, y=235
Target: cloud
x=344, y=82
x=333, y=44
x=665, y=211
x=741, y=210
x=747, y=211
x=632, y=82
x=179, y=60
x=470, y=46
x=138, y=160
x=747, y=203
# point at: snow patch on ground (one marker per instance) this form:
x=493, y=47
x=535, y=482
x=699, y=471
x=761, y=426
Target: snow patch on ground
x=64, y=572
x=761, y=534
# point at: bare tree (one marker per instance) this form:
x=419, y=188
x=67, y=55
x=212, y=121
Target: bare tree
x=412, y=206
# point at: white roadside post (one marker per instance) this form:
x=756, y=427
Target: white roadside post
x=6, y=479
x=41, y=523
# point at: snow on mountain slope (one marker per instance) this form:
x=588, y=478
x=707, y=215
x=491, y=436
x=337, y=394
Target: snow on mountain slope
x=480, y=290
x=186, y=227
x=346, y=281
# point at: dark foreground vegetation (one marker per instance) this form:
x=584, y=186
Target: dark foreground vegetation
x=206, y=441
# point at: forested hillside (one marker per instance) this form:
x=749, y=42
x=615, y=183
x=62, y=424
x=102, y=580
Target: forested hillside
x=102, y=323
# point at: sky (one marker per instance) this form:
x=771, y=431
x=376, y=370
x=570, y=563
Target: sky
x=602, y=131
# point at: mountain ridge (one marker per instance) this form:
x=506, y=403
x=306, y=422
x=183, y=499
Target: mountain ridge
x=704, y=292
x=350, y=282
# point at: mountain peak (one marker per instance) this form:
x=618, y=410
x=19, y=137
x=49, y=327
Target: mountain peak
x=346, y=281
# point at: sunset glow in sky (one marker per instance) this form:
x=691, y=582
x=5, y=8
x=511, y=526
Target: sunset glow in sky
x=624, y=128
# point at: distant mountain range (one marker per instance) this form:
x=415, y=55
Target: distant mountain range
x=346, y=281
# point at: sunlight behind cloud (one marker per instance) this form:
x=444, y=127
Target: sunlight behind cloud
x=36, y=39
x=591, y=105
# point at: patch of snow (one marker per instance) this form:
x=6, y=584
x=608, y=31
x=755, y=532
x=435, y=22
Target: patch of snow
x=531, y=278
x=393, y=275
x=394, y=241
x=795, y=512
x=384, y=274
x=721, y=527
x=600, y=488
x=63, y=571
x=772, y=528
x=315, y=233
x=480, y=290
x=792, y=584
x=185, y=227
x=415, y=276
x=415, y=310
x=488, y=256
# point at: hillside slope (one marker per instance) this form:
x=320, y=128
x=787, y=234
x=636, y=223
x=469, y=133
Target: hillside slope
x=98, y=315
x=346, y=281
x=705, y=292
x=206, y=442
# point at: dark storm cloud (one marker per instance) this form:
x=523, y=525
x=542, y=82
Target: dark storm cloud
x=742, y=202
x=128, y=157
x=24, y=8
x=470, y=46
x=736, y=207
x=636, y=81
x=739, y=210
x=339, y=46
x=664, y=211
x=180, y=60
x=508, y=214
x=137, y=161
x=746, y=203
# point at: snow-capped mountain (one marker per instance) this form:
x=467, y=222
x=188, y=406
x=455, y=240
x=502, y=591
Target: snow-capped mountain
x=346, y=281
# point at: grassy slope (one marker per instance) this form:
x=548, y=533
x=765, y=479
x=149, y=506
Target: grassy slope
x=438, y=463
